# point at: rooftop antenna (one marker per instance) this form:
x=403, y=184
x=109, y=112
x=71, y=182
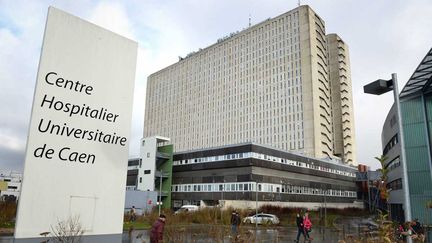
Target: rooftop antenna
x=298, y=3
x=250, y=20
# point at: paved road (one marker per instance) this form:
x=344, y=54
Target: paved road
x=270, y=235
x=211, y=233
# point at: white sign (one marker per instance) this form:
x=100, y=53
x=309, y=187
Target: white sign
x=77, y=148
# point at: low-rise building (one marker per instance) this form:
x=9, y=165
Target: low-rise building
x=152, y=171
x=10, y=185
x=248, y=174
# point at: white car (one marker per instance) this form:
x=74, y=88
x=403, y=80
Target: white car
x=187, y=208
x=262, y=218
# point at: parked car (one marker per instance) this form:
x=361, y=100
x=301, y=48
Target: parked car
x=187, y=208
x=262, y=218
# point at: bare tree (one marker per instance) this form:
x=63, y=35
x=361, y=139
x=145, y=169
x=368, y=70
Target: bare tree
x=67, y=231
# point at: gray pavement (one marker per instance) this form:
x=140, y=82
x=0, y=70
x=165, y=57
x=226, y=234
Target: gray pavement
x=200, y=234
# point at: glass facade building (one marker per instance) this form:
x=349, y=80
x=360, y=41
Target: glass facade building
x=416, y=112
x=416, y=120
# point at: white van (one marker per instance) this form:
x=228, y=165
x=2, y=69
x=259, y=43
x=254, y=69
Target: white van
x=187, y=208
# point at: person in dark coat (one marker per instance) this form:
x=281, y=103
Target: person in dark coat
x=300, y=227
x=417, y=231
x=235, y=222
x=156, y=233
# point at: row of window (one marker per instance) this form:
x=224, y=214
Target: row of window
x=393, y=141
x=393, y=164
x=264, y=157
x=219, y=79
x=395, y=185
x=262, y=187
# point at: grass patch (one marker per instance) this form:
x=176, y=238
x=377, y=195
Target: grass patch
x=7, y=225
x=217, y=217
x=7, y=214
x=136, y=225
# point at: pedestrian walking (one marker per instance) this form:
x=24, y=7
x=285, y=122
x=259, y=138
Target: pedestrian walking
x=235, y=222
x=307, y=224
x=156, y=233
x=417, y=231
x=300, y=228
x=132, y=214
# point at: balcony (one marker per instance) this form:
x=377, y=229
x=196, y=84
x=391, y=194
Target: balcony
x=159, y=174
x=164, y=194
x=162, y=155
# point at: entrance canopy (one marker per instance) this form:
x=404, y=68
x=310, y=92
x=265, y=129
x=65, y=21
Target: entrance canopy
x=421, y=80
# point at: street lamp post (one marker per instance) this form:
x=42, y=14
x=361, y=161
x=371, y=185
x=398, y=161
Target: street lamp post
x=256, y=210
x=369, y=193
x=280, y=190
x=212, y=191
x=325, y=207
x=223, y=188
x=380, y=87
x=160, y=191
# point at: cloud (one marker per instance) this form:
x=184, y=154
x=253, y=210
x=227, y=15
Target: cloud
x=20, y=38
x=384, y=37
x=11, y=160
x=113, y=16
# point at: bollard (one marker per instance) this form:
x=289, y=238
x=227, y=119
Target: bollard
x=343, y=231
x=323, y=234
x=358, y=231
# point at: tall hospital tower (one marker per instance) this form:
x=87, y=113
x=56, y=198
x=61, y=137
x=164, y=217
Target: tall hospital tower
x=282, y=83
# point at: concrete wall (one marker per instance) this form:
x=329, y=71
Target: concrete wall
x=307, y=205
x=148, y=156
x=143, y=201
x=342, y=100
x=390, y=129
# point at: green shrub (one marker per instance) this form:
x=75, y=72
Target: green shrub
x=7, y=214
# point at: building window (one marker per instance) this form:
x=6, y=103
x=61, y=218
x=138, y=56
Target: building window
x=395, y=185
x=148, y=155
x=147, y=171
x=140, y=181
x=393, y=164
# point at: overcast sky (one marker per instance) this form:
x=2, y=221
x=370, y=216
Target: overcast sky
x=384, y=37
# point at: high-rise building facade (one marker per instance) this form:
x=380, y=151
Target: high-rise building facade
x=342, y=102
x=271, y=83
